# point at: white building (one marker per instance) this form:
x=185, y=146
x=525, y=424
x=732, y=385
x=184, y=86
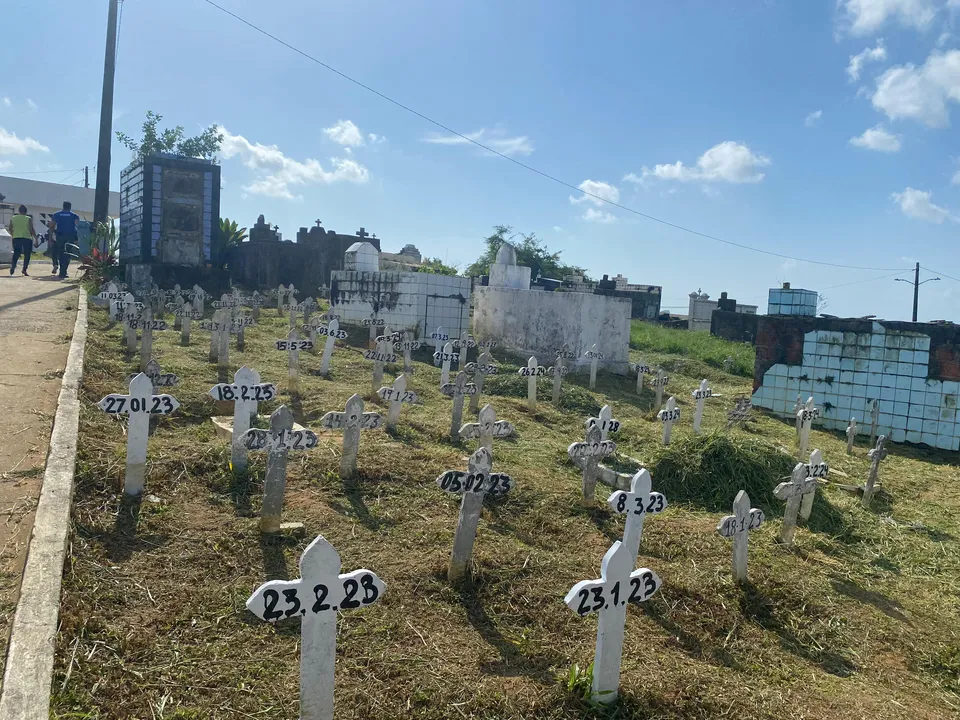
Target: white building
x=702, y=307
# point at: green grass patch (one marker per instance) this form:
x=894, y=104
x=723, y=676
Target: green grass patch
x=711, y=350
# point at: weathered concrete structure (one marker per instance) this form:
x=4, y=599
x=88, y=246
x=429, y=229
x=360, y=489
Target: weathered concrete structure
x=702, y=307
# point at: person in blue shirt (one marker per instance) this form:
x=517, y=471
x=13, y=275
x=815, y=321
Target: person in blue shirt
x=64, y=224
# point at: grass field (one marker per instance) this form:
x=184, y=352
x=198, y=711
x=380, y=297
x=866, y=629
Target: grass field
x=860, y=619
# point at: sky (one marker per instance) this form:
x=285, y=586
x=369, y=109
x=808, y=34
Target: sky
x=823, y=130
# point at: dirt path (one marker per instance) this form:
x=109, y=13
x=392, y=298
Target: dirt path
x=37, y=315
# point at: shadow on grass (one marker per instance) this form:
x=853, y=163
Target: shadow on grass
x=123, y=540
x=659, y=611
x=357, y=507
x=890, y=608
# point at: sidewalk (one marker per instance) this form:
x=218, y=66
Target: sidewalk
x=37, y=316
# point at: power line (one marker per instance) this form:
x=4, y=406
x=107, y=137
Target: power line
x=524, y=165
x=882, y=277
x=38, y=172
x=937, y=272
x=64, y=181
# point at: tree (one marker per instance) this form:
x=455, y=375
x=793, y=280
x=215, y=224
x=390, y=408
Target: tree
x=230, y=237
x=436, y=266
x=530, y=252
x=206, y=145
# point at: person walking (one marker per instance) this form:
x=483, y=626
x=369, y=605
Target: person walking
x=65, y=227
x=24, y=238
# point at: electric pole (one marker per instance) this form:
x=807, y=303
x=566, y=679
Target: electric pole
x=916, y=288
x=101, y=201
x=86, y=176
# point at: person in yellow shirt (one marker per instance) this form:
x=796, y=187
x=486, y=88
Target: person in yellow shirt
x=24, y=238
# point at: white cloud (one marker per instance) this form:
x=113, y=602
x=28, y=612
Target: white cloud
x=633, y=178
x=497, y=139
x=7, y=102
x=376, y=139
x=32, y=105
x=601, y=190
x=956, y=178
x=598, y=216
x=557, y=228
x=727, y=162
x=877, y=138
x=943, y=39
x=344, y=132
x=874, y=54
x=921, y=93
x=278, y=172
x=864, y=17
x=10, y=144
x=916, y=204
x=811, y=119
x=5, y=164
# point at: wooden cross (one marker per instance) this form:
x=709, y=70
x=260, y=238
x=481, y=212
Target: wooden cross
x=818, y=470
x=641, y=369
x=445, y=357
x=292, y=346
x=362, y=233
x=396, y=396
x=558, y=370
x=352, y=420
x=736, y=526
x=791, y=491
x=147, y=324
x=245, y=392
x=805, y=417
x=278, y=441
x=874, y=420
x=463, y=344
x=333, y=333
x=594, y=357
x=700, y=395
x=487, y=428
x=532, y=371
x=586, y=455
x=317, y=596
x=605, y=422
x=139, y=405
x=480, y=369
x=472, y=485
x=669, y=415
x=636, y=504
x=659, y=383
x=608, y=596
x=380, y=356
x=157, y=376
x=851, y=435
x=407, y=345
x=439, y=338
x=457, y=390
x=876, y=455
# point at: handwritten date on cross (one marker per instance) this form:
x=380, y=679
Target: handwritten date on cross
x=660, y=382
x=669, y=415
x=325, y=331
x=380, y=356
x=391, y=395
x=538, y=371
x=612, y=589
x=402, y=345
x=115, y=404
x=473, y=368
x=491, y=483
x=596, y=449
x=257, y=439
x=232, y=392
x=650, y=503
x=293, y=344
x=373, y=322
x=445, y=357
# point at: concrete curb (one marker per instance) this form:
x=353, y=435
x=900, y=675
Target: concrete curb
x=33, y=637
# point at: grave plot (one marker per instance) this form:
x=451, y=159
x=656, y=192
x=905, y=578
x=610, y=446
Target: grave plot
x=155, y=622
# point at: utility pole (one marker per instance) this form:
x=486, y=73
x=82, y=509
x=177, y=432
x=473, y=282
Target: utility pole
x=102, y=199
x=916, y=288
x=86, y=176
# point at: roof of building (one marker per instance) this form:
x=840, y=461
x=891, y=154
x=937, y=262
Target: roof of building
x=39, y=194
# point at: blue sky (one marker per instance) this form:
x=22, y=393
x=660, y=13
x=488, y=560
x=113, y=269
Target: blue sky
x=810, y=128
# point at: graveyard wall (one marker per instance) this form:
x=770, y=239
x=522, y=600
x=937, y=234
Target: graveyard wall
x=646, y=303
x=734, y=326
x=913, y=369
x=538, y=323
x=420, y=302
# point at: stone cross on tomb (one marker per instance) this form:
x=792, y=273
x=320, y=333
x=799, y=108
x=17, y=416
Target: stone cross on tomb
x=851, y=435
x=605, y=422
x=380, y=356
x=818, y=470
x=147, y=325
x=792, y=491
x=668, y=416
x=278, y=441
x=594, y=356
x=157, y=376
x=487, y=428
x=636, y=504
x=439, y=338
x=138, y=406
x=362, y=233
x=558, y=370
x=316, y=597
x=472, y=485
x=332, y=333
x=700, y=395
x=374, y=323
x=407, y=345
x=244, y=392
x=736, y=526
x=463, y=345
x=457, y=390
x=532, y=371
x=641, y=369
x=608, y=596
x=444, y=358
x=292, y=346
x=876, y=455
x=874, y=421
x=659, y=383
x=806, y=416
x=586, y=455
x=479, y=370
x=352, y=420
x=397, y=395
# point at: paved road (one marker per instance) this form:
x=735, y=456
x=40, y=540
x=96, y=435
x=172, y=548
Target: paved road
x=37, y=315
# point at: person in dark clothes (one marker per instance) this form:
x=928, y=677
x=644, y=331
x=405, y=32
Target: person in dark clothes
x=65, y=226
x=24, y=238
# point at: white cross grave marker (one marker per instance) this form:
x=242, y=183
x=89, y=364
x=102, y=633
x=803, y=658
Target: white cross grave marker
x=480, y=369
x=743, y=520
x=445, y=357
x=223, y=348
x=586, y=455
x=157, y=376
x=333, y=333
x=700, y=395
x=278, y=441
x=352, y=420
x=797, y=407
x=198, y=295
x=317, y=596
x=439, y=338
x=636, y=504
x=798, y=485
x=113, y=295
x=608, y=597
x=463, y=345
x=374, y=323
x=487, y=428
x=668, y=416
x=818, y=470
x=380, y=356
x=407, y=345
x=472, y=485
x=294, y=309
x=281, y=297
x=129, y=312
x=728, y=364
x=216, y=325
x=147, y=324
x=558, y=370
x=851, y=435
x=594, y=356
x=238, y=324
x=806, y=416
x=605, y=422
x=877, y=454
x=292, y=346
x=532, y=371
x=139, y=405
x=659, y=383
x=874, y=421
x=641, y=369
x=245, y=392
x=457, y=390
x=396, y=396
